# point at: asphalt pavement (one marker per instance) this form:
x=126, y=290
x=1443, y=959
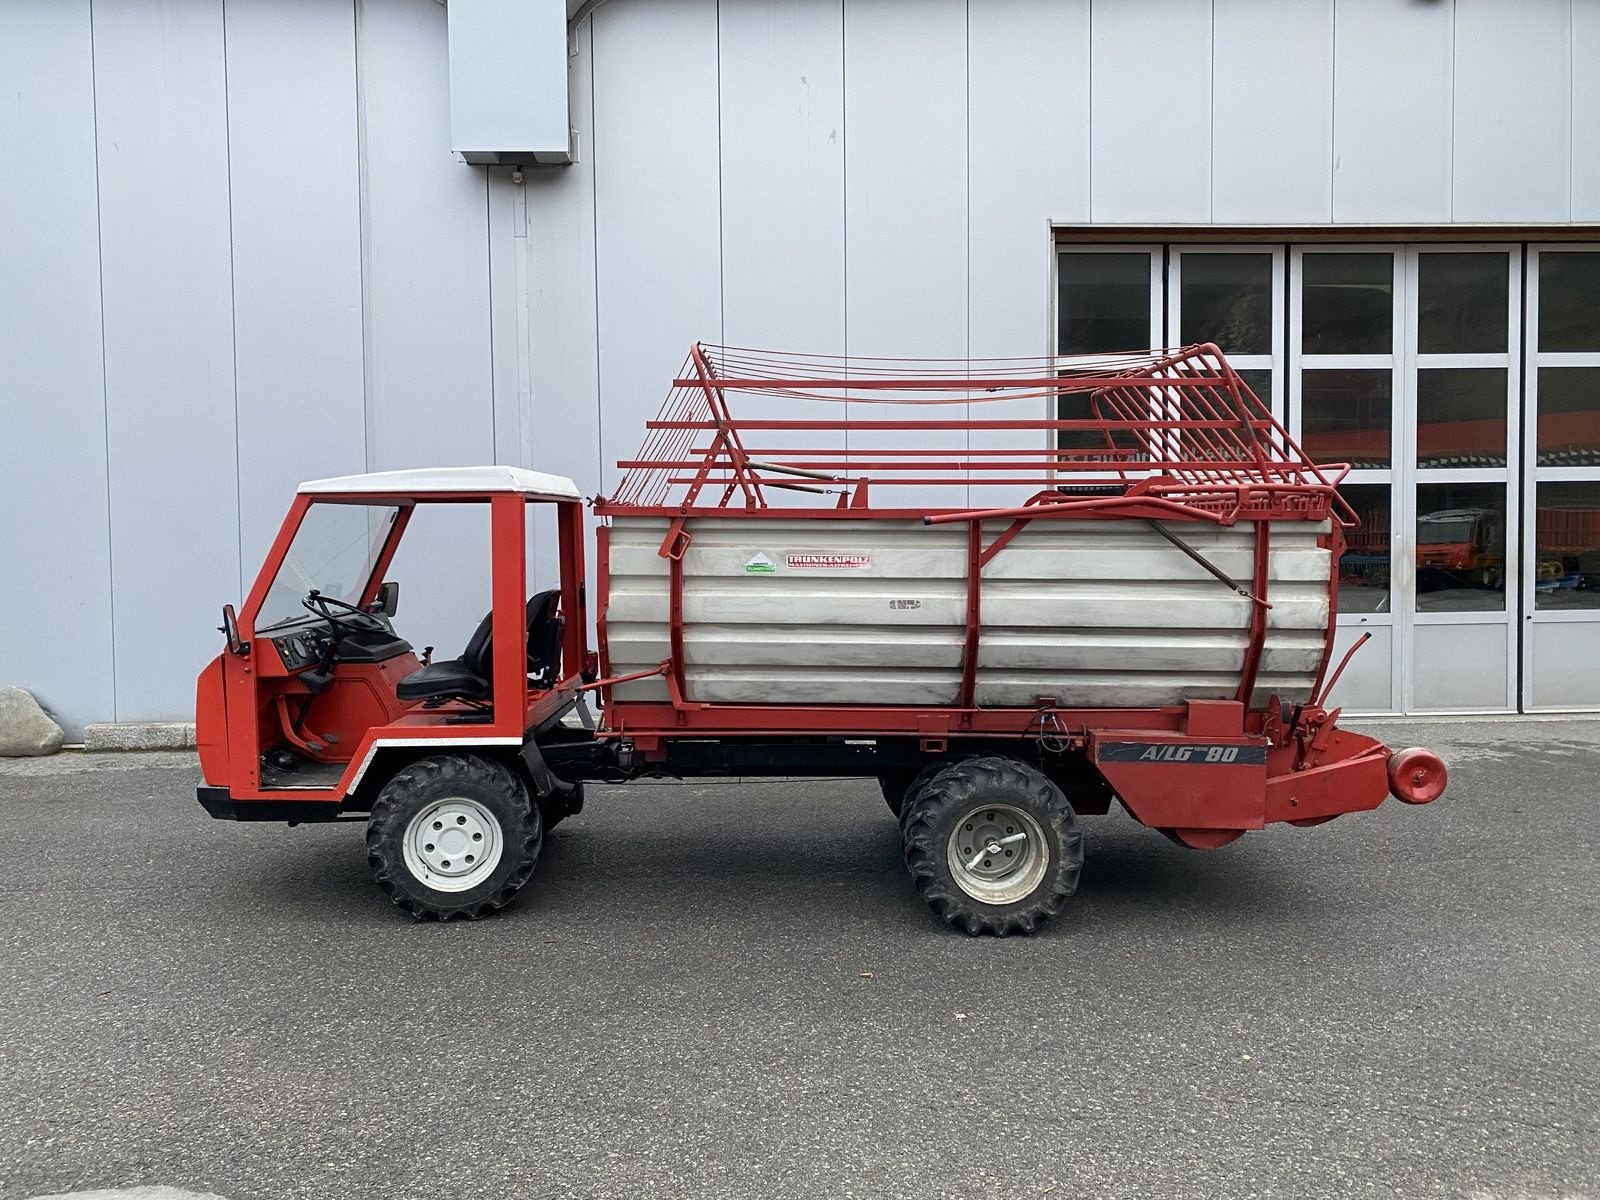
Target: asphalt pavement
x=730, y=989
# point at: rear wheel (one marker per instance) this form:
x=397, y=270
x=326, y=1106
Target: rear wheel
x=993, y=846
x=453, y=835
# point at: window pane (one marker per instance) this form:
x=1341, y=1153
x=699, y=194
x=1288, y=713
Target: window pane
x=1566, y=539
x=1227, y=299
x=1569, y=416
x=1461, y=417
x=1344, y=416
x=1259, y=381
x=1364, y=566
x=1104, y=303
x=1462, y=303
x=1569, y=300
x=1461, y=547
x=1347, y=303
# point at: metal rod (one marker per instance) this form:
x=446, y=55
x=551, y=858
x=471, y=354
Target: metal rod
x=1210, y=567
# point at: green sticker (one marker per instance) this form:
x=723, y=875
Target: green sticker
x=761, y=565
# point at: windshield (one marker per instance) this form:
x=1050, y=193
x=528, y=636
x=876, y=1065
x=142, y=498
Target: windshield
x=1439, y=531
x=334, y=550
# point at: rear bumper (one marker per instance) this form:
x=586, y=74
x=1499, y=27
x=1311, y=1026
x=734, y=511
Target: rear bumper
x=223, y=807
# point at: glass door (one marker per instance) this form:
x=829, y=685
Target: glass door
x=1460, y=431
x=1561, y=594
x=1346, y=333
x=1403, y=362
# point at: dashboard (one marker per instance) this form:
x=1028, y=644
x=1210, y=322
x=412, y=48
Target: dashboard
x=305, y=645
x=301, y=648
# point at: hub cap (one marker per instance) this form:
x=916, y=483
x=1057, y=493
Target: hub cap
x=997, y=854
x=454, y=845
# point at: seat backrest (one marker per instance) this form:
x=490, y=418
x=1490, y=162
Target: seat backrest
x=544, y=634
x=479, y=654
x=544, y=637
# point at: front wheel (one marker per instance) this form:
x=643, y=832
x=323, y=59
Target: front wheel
x=993, y=846
x=453, y=835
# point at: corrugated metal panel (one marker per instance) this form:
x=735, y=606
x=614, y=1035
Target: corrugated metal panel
x=55, y=601
x=293, y=166
x=1151, y=111
x=1272, y=162
x=1392, y=104
x=1512, y=144
x=1090, y=612
x=168, y=295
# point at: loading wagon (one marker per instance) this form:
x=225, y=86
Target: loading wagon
x=914, y=571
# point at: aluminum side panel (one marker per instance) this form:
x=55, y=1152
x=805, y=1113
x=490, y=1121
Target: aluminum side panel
x=1094, y=613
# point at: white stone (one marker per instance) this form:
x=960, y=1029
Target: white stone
x=26, y=730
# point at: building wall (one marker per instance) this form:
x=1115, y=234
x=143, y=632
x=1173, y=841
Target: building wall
x=235, y=251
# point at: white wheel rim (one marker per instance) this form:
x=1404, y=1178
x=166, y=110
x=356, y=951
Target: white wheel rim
x=453, y=845
x=997, y=854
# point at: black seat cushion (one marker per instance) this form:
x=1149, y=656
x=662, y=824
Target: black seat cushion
x=450, y=678
x=468, y=676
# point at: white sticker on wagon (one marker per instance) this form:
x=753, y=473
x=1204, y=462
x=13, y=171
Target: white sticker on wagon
x=760, y=565
x=829, y=562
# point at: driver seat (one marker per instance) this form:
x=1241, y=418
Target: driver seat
x=468, y=677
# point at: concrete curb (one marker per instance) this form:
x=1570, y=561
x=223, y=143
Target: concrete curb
x=139, y=735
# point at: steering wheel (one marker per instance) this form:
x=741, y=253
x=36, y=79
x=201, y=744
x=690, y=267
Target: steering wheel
x=353, y=618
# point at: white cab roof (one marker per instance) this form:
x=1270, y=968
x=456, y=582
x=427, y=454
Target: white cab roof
x=445, y=480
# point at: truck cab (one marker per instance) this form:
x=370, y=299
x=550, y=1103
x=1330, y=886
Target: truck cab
x=318, y=696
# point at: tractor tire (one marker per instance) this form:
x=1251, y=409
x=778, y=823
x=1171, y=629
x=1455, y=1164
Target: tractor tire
x=454, y=835
x=899, y=786
x=894, y=787
x=1023, y=821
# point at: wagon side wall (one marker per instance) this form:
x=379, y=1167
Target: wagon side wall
x=873, y=611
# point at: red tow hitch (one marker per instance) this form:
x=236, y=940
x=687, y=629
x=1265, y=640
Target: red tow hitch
x=1417, y=776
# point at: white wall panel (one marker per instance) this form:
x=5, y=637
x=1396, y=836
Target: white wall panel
x=1367, y=685
x=1028, y=121
x=656, y=220
x=906, y=199
x=55, y=586
x=1466, y=667
x=430, y=383
x=1513, y=144
x=1585, y=52
x=783, y=146
x=1391, y=111
x=564, y=393
x=163, y=162
x=1272, y=112
x=294, y=181
x=1151, y=116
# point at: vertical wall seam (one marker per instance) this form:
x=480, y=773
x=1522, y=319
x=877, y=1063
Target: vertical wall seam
x=488, y=281
x=844, y=194
x=1450, y=173
x=1090, y=6
x=722, y=259
x=594, y=250
x=364, y=238
x=1333, y=107
x=967, y=225
x=105, y=385
x=1211, y=121
x=722, y=256
x=1572, y=114
x=233, y=302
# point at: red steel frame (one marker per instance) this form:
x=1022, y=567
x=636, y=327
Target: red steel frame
x=1184, y=440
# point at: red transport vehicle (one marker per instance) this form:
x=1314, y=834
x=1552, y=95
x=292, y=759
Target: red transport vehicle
x=922, y=580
